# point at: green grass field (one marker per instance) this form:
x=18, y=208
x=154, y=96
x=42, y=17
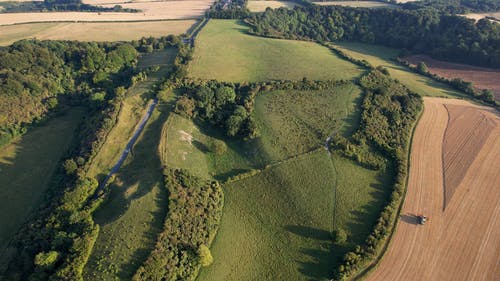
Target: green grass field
x=282, y=219
x=294, y=122
x=26, y=167
x=379, y=55
x=224, y=51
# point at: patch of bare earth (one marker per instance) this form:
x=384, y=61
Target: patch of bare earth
x=481, y=77
x=459, y=242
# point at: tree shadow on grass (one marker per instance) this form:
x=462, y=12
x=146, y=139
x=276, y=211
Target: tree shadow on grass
x=317, y=263
x=136, y=178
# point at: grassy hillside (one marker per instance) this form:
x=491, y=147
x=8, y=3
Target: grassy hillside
x=379, y=55
x=282, y=218
x=26, y=166
x=294, y=122
x=133, y=215
x=225, y=52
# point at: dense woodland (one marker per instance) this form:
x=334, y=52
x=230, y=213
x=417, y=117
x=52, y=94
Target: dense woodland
x=456, y=6
x=425, y=31
x=194, y=213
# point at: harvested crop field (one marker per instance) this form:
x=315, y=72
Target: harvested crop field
x=492, y=16
x=481, y=77
x=92, y=31
x=260, y=6
x=357, y=4
x=150, y=11
x=459, y=242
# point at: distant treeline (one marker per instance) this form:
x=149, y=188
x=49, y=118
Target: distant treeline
x=58, y=5
x=455, y=6
x=427, y=31
x=57, y=241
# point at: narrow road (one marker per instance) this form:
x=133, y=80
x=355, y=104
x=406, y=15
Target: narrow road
x=129, y=146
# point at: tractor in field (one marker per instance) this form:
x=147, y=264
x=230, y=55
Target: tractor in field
x=421, y=219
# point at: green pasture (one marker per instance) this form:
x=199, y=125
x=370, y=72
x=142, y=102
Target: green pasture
x=226, y=52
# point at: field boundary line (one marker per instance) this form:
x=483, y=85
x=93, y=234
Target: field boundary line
x=100, y=21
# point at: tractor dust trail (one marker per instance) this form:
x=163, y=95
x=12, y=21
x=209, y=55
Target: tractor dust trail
x=129, y=146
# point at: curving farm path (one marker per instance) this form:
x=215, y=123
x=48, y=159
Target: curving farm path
x=461, y=240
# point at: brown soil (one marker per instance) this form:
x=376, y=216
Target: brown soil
x=459, y=242
x=481, y=77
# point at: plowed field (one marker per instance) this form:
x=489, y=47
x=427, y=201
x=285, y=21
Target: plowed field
x=481, y=77
x=459, y=242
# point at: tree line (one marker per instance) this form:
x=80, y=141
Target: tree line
x=427, y=31
x=389, y=112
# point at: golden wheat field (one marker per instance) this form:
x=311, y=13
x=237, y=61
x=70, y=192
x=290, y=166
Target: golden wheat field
x=453, y=180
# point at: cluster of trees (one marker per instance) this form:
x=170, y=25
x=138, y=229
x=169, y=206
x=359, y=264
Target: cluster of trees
x=457, y=83
x=224, y=105
x=36, y=75
x=427, y=31
x=229, y=9
x=194, y=213
x=389, y=113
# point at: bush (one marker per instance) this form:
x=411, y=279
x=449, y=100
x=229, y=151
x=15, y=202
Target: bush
x=205, y=256
x=218, y=147
x=46, y=260
x=340, y=236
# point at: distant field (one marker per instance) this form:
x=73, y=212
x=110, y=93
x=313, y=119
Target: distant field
x=479, y=16
x=187, y=9
x=378, y=55
x=26, y=166
x=481, y=77
x=261, y=5
x=357, y=4
x=243, y=57
x=124, y=31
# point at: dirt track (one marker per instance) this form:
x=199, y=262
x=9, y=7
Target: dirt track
x=459, y=242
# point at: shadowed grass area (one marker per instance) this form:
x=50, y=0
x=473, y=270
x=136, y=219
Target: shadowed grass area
x=26, y=167
x=134, y=213
x=224, y=51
